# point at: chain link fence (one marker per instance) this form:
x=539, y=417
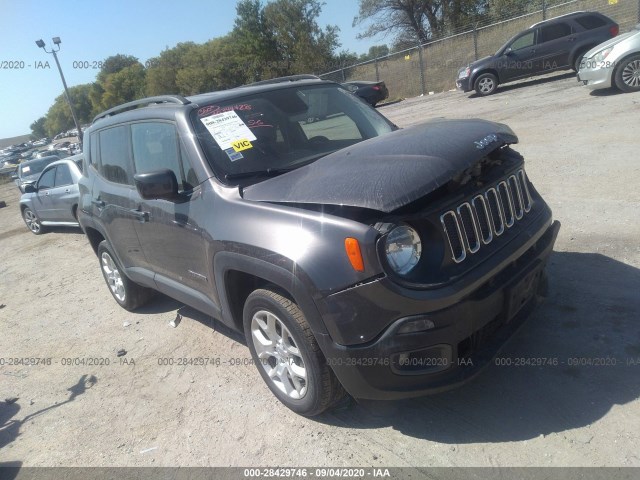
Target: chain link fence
x=433, y=66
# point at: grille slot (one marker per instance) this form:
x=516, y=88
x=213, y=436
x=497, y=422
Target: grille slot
x=486, y=216
x=454, y=235
x=524, y=188
x=484, y=220
x=507, y=204
x=496, y=211
x=516, y=195
x=469, y=227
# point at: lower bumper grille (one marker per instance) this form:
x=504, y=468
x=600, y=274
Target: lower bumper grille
x=486, y=216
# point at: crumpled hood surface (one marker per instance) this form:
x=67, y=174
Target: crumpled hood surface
x=387, y=172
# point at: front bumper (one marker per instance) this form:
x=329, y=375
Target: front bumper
x=464, y=84
x=596, y=77
x=465, y=337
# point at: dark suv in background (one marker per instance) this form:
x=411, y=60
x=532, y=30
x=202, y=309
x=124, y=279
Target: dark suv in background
x=555, y=44
x=352, y=254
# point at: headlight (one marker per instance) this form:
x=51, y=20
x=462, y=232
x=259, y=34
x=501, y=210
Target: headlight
x=602, y=54
x=403, y=248
x=464, y=73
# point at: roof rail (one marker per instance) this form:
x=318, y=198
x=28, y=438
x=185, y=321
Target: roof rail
x=176, y=99
x=559, y=16
x=290, y=78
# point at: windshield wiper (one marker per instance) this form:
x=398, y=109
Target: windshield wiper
x=274, y=171
x=258, y=173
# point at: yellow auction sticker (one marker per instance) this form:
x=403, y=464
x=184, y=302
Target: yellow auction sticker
x=240, y=145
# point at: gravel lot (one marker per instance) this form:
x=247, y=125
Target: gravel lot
x=582, y=151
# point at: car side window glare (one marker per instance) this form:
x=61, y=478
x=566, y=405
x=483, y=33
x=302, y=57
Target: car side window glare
x=554, y=31
x=156, y=146
x=63, y=176
x=524, y=41
x=47, y=179
x=115, y=162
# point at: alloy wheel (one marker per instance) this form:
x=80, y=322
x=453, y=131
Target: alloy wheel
x=32, y=221
x=112, y=274
x=486, y=85
x=631, y=74
x=279, y=354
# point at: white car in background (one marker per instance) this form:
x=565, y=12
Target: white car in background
x=614, y=63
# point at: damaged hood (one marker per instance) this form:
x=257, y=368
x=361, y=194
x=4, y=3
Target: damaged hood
x=389, y=171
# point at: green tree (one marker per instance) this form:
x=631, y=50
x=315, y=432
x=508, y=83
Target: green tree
x=37, y=129
x=418, y=21
x=59, y=118
x=121, y=79
x=301, y=45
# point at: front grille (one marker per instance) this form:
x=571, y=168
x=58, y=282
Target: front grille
x=486, y=216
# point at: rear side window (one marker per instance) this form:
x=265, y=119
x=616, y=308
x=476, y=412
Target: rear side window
x=554, y=32
x=63, y=176
x=589, y=22
x=155, y=146
x=115, y=161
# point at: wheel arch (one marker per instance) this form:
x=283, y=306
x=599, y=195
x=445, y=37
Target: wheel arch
x=95, y=237
x=619, y=63
x=475, y=76
x=238, y=275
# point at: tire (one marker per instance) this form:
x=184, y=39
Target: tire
x=627, y=76
x=32, y=221
x=578, y=61
x=294, y=369
x=128, y=294
x=486, y=84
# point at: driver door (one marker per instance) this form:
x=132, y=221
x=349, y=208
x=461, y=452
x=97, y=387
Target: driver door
x=42, y=200
x=519, y=59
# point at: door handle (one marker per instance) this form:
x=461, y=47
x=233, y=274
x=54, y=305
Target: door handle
x=572, y=39
x=98, y=203
x=140, y=215
x=67, y=191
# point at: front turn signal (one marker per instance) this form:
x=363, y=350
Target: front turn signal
x=352, y=248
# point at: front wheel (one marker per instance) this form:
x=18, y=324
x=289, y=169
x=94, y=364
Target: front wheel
x=486, y=84
x=287, y=354
x=128, y=294
x=627, y=76
x=32, y=221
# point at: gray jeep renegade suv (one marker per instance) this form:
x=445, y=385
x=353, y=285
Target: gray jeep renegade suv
x=354, y=256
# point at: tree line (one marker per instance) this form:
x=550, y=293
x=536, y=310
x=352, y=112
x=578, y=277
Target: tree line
x=278, y=38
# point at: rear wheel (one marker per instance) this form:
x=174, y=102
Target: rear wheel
x=627, y=77
x=486, y=84
x=287, y=354
x=32, y=221
x=128, y=294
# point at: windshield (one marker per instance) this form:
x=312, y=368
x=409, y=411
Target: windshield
x=282, y=129
x=34, y=167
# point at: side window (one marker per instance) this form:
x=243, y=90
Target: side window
x=554, y=32
x=524, y=41
x=589, y=22
x=47, y=179
x=156, y=145
x=63, y=176
x=115, y=163
x=93, y=153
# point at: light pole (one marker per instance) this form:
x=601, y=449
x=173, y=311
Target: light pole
x=56, y=41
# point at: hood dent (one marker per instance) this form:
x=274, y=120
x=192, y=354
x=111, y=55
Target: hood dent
x=390, y=171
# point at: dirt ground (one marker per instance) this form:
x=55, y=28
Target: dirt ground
x=89, y=407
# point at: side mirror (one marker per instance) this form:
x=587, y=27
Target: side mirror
x=159, y=184
x=14, y=176
x=30, y=188
x=508, y=52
